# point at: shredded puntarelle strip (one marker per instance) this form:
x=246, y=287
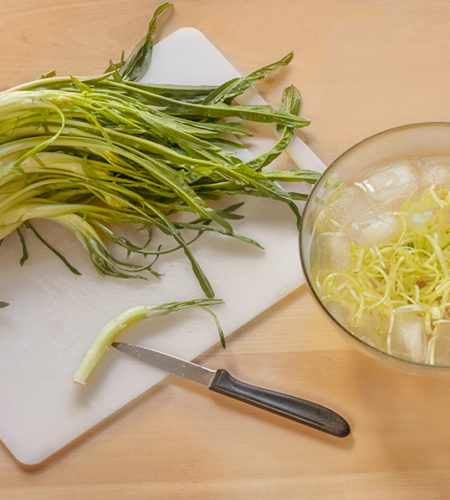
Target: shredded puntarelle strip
x=410, y=274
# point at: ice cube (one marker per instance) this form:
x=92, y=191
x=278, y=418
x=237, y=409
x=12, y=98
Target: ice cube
x=323, y=223
x=372, y=330
x=442, y=345
x=347, y=204
x=435, y=170
x=418, y=222
x=377, y=231
x=408, y=337
x=344, y=314
x=392, y=183
x=334, y=251
x=420, y=218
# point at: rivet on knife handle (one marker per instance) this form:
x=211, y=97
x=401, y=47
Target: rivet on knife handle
x=300, y=410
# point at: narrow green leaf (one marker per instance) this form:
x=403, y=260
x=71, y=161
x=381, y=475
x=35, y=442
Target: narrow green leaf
x=138, y=62
x=290, y=104
x=309, y=176
x=24, y=257
x=51, y=74
x=80, y=85
x=53, y=249
x=231, y=89
x=218, y=325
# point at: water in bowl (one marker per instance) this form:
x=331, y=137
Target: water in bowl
x=380, y=258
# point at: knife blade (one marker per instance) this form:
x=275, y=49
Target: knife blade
x=291, y=407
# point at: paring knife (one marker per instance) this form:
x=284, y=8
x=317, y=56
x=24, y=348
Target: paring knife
x=300, y=410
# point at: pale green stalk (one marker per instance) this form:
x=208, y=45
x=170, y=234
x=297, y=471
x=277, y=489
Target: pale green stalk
x=126, y=319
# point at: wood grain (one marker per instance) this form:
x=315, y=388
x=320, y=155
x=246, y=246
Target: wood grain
x=362, y=67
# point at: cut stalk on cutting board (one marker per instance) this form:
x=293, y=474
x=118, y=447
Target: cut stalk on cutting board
x=54, y=315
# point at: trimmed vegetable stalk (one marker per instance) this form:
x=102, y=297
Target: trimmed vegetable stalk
x=128, y=318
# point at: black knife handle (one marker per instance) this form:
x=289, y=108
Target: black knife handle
x=300, y=410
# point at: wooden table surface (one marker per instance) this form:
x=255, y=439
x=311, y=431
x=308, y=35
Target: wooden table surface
x=362, y=66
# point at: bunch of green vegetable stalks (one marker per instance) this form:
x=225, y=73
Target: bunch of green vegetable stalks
x=89, y=153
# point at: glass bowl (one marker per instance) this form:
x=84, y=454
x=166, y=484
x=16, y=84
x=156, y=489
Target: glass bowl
x=390, y=146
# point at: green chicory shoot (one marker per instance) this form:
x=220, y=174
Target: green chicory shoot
x=88, y=153
x=128, y=318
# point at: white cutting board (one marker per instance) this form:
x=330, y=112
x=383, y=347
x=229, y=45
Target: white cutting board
x=54, y=315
